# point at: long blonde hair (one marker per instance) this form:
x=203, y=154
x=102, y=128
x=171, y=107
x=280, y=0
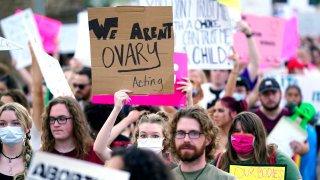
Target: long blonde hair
x=25, y=120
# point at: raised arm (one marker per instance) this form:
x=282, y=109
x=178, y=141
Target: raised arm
x=100, y=144
x=37, y=93
x=254, y=56
x=232, y=80
x=133, y=116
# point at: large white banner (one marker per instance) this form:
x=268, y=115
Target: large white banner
x=49, y=166
x=19, y=28
x=202, y=29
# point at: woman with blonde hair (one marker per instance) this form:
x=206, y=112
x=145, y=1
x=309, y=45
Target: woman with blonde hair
x=15, y=149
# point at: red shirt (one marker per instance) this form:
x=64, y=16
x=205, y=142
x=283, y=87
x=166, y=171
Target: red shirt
x=90, y=157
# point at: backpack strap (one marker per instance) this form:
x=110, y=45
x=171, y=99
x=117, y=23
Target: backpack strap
x=272, y=158
x=218, y=159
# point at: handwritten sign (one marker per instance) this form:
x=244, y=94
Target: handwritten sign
x=19, y=28
x=52, y=72
x=50, y=166
x=176, y=99
x=203, y=30
x=270, y=34
x=253, y=172
x=83, y=39
x=6, y=44
x=132, y=48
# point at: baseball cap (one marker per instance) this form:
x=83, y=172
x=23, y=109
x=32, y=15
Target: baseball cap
x=269, y=84
x=242, y=81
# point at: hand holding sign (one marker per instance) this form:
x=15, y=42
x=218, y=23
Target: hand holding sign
x=121, y=97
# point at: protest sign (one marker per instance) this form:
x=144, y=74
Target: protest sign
x=19, y=28
x=286, y=131
x=68, y=38
x=176, y=99
x=263, y=172
x=131, y=48
x=203, y=30
x=49, y=30
x=6, y=44
x=50, y=166
x=52, y=72
x=83, y=40
x=260, y=8
x=309, y=24
x=270, y=34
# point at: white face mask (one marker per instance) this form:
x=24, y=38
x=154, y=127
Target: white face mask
x=153, y=144
x=11, y=135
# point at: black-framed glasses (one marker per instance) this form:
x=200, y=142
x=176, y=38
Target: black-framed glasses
x=59, y=119
x=192, y=134
x=80, y=86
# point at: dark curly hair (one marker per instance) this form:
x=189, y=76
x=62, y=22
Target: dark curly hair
x=142, y=164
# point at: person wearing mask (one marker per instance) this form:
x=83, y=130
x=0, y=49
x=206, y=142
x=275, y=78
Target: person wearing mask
x=192, y=142
x=223, y=113
x=247, y=145
x=150, y=132
x=15, y=125
x=65, y=130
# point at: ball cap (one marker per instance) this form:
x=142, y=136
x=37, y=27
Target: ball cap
x=269, y=84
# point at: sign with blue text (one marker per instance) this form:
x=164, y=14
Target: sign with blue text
x=203, y=29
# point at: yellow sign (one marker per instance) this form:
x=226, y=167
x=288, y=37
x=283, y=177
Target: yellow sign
x=253, y=172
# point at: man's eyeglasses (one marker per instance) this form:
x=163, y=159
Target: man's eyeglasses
x=80, y=86
x=192, y=134
x=60, y=119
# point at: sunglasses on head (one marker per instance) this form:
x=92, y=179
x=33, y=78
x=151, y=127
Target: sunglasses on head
x=80, y=86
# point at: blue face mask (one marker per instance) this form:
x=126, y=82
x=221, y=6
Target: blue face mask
x=238, y=96
x=11, y=135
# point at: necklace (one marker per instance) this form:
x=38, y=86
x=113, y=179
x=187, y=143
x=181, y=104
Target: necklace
x=10, y=157
x=10, y=165
x=197, y=175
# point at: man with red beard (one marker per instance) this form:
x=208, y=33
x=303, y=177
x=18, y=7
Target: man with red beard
x=192, y=141
x=270, y=97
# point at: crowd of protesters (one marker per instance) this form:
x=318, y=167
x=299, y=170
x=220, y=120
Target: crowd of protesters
x=228, y=117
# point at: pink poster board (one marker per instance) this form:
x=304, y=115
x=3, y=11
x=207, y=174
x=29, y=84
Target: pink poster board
x=49, y=30
x=272, y=36
x=176, y=99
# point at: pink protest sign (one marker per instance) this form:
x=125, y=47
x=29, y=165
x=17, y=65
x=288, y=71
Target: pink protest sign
x=176, y=99
x=291, y=39
x=272, y=36
x=49, y=30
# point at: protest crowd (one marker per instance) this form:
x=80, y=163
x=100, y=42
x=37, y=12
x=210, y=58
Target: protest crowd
x=193, y=92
